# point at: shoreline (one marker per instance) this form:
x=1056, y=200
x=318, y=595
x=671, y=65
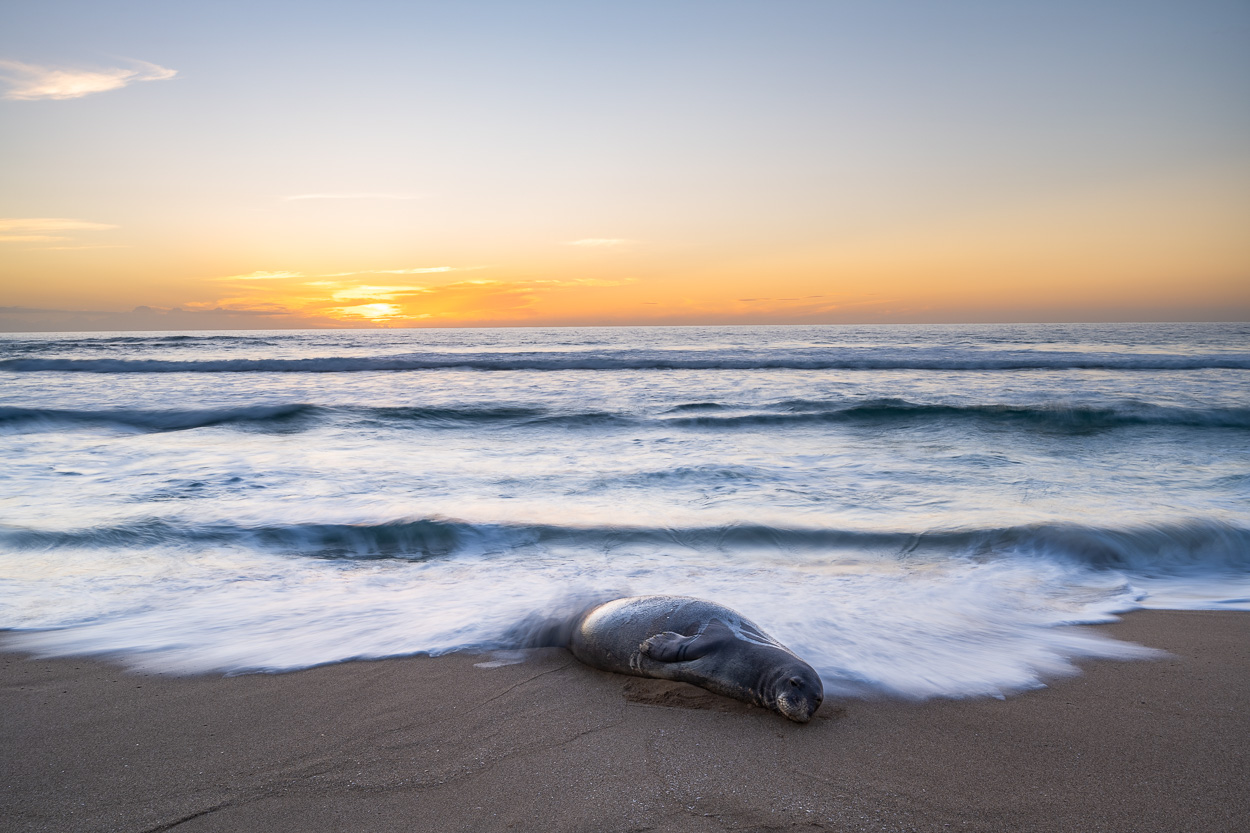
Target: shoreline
x=439, y=743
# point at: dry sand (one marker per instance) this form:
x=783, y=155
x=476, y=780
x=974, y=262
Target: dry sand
x=423, y=743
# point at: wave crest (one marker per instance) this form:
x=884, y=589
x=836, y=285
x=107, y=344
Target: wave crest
x=27, y=419
x=1178, y=548
x=708, y=415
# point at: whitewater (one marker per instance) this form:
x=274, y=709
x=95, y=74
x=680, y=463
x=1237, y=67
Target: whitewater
x=916, y=510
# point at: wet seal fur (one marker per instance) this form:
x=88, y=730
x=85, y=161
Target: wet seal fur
x=698, y=642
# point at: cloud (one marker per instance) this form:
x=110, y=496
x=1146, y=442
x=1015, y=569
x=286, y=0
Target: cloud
x=262, y=276
x=291, y=299
x=75, y=248
x=383, y=293
x=598, y=242
x=287, y=275
x=377, y=313
x=37, y=311
x=803, y=298
x=595, y=282
x=288, y=298
x=36, y=230
x=29, y=82
x=481, y=301
x=41, y=224
x=418, y=271
x=365, y=196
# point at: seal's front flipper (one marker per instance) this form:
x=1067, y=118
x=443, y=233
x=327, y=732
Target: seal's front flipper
x=672, y=647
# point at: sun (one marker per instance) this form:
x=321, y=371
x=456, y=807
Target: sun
x=377, y=313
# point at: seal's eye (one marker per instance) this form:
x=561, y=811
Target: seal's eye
x=794, y=682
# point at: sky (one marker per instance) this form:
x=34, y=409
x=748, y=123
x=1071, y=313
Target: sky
x=411, y=164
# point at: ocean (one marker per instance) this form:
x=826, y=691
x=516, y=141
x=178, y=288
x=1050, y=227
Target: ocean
x=918, y=511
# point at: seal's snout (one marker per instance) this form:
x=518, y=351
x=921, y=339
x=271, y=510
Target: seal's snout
x=798, y=711
x=799, y=696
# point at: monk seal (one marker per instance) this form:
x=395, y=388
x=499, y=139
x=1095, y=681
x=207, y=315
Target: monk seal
x=693, y=641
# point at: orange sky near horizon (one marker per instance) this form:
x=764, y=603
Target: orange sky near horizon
x=792, y=163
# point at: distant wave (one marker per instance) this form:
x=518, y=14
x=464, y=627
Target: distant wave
x=858, y=360
x=1195, y=547
x=145, y=341
x=450, y=417
x=1057, y=417
x=703, y=415
x=162, y=338
x=696, y=406
x=26, y=419
x=285, y=417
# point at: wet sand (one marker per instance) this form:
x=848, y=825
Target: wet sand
x=424, y=743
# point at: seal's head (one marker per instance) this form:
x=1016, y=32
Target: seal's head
x=798, y=692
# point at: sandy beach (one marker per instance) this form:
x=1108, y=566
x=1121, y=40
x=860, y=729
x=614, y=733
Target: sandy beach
x=444, y=743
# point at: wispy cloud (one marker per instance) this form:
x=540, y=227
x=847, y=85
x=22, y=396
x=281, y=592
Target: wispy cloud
x=41, y=224
x=287, y=275
x=379, y=293
x=263, y=276
x=803, y=298
x=377, y=313
x=78, y=248
x=506, y=300
x=364, y=196
x=34, y=311
x=291, y=299
x=421, y=270
x=598, y=242
x=31, y=82
x=36, y=230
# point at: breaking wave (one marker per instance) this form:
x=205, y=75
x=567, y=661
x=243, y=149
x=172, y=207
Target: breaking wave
x=1172, y=549
x=702, y=415
x=34, y=419
x=1059, y=417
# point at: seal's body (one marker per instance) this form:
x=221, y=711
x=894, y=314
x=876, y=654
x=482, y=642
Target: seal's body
x=693, y=641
